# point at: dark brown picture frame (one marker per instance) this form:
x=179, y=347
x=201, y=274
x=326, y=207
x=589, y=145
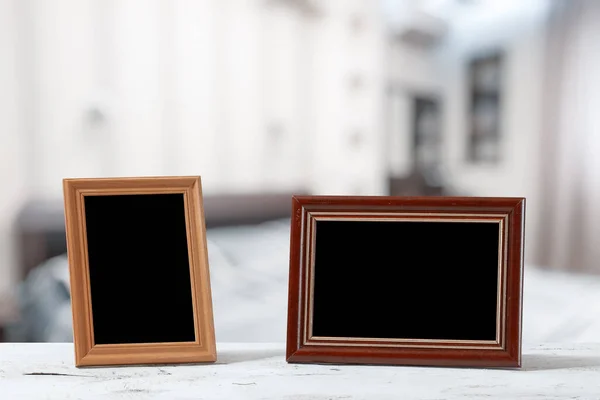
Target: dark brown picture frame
x=504, y=351
x=87, y=351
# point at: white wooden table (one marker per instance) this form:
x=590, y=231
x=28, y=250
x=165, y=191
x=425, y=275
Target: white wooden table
x=259, y=371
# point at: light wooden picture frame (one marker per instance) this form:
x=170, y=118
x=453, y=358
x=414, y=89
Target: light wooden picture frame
x=150, y=234
x=431, y=281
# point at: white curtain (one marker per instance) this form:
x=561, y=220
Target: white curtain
x=571, y=141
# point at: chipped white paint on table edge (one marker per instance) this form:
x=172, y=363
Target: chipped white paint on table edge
x=259, y=371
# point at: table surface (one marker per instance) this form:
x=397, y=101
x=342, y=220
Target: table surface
x=259, y=371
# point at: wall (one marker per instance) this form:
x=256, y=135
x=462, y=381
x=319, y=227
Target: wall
x=13, y=169
x=234, y=90
x=347, y=135
x=252, y=95
x=519, y=30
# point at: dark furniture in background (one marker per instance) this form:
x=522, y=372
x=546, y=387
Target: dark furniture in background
x=415, y=184
x=426, y=177
x=485, y=96
x=426, y=132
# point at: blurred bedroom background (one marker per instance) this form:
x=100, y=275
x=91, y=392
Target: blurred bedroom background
x=266, y=98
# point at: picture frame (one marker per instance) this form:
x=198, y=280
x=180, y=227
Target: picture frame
x=422, y=281
x=139, y=276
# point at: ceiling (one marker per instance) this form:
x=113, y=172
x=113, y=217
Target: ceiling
x=435, y=17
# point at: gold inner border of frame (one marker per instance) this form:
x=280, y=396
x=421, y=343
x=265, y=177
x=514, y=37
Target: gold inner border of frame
x=82, y=193
x=307, y=266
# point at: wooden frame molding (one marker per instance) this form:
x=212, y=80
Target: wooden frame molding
x=87, y=353
x=504, y=351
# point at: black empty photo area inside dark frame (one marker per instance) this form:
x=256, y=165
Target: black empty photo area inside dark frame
x=139, y=269
x=406, y=280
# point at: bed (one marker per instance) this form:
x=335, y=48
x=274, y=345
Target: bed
x=248, y=245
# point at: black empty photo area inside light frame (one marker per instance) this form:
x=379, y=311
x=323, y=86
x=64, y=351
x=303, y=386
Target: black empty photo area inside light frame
x=406, y=280
x=139, y=268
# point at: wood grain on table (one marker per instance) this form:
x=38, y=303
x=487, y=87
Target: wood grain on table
x=259, y=371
